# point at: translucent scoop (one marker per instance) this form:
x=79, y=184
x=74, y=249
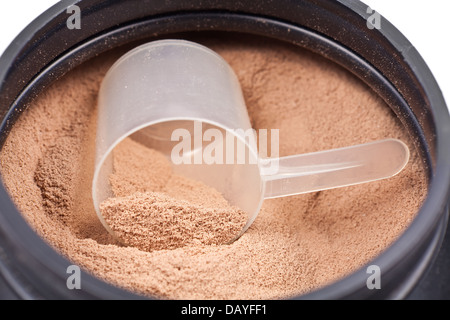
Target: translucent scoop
x=167, y=91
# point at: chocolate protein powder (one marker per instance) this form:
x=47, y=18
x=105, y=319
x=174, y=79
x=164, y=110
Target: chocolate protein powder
x=295, y=245
x=151, y=214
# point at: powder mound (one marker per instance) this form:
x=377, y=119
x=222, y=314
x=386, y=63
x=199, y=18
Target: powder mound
x=154, y=221
x=53, y=176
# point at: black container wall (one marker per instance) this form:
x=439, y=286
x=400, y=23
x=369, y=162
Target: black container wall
x=383, y=59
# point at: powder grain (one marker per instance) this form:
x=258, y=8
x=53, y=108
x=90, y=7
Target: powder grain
x=296, y=244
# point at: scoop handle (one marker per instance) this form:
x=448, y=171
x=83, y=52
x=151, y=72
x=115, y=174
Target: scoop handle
x=333, y=168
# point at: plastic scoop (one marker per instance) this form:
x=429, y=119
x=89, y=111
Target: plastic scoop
x=169, y=89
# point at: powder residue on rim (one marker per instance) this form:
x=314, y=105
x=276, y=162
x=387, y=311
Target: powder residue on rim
x=296, y=244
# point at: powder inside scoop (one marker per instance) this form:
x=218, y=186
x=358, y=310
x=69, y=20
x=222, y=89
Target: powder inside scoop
x=144, y=218
x=154, y=221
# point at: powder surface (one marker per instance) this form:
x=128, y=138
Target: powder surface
x=138, y=169
x=295, y=245
x=144, y=218
x=154, y=221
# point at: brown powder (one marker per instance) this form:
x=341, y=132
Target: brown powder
x=154, y=209
x=138, y=169
x=153, y=221
x=295, y=245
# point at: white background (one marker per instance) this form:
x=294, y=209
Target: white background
x=425, y=23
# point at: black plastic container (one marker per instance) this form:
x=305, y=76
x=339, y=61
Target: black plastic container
x=382, y=58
